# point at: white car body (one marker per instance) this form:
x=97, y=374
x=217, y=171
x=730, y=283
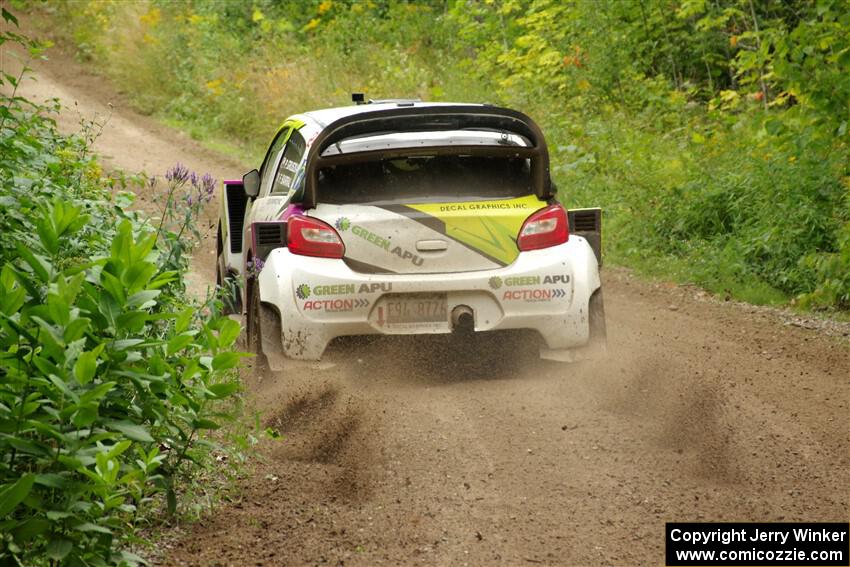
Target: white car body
x=415, y=266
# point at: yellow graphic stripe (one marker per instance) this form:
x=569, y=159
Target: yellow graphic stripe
x=490, y=227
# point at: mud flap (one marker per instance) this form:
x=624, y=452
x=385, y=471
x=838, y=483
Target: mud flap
x=272, y=338
x=588, y=224
x=597, y=343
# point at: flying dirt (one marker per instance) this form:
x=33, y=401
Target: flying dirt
x=441, y=451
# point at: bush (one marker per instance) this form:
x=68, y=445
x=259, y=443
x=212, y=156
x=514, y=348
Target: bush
x=108, y=372
x=710, y=132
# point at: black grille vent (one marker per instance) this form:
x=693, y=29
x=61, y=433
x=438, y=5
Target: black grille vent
x=585, y=221
x=267, y=237
x=270, y=234
x=236, y=202
x=588, y=223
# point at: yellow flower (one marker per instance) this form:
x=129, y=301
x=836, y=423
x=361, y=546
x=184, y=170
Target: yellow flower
x=325, y=6
x=93, y=172
x=152, y=18
x=313, y=24
x=215, y=87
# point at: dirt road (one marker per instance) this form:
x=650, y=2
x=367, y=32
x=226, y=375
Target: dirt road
x=425, y=452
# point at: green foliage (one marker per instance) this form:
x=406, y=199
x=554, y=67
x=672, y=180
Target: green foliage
x=710, y=131
x=108, y=373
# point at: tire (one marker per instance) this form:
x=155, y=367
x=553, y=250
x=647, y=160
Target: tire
x=231, y=295
x=596, y=313
x=263, y=330
x=271, y=337
x=253, y=323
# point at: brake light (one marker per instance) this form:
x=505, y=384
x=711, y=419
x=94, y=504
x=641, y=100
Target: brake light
x=307, y=236
x=547, y=227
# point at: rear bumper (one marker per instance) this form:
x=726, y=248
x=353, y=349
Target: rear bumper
x=544, y=290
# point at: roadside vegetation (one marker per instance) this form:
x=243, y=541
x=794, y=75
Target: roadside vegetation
x=714, y=134
x=110, y=374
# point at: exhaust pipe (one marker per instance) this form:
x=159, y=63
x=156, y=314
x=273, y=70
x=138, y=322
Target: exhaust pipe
x=463, y=318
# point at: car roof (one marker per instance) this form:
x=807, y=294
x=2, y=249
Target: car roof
x=328, y=115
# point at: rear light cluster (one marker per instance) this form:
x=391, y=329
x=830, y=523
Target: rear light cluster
x=307, y=236
x=547, y=227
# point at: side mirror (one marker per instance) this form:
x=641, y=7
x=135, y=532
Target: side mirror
x=251, y=183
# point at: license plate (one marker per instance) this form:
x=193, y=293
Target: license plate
x=412, y=311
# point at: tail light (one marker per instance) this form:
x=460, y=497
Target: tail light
x=547, y=227
x=307, y=236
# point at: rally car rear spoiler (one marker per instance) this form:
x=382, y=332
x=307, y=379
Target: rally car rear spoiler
x=410, y=118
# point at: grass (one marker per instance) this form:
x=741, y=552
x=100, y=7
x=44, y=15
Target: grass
x=214, y=140
x=691, y=195
x=718, y=281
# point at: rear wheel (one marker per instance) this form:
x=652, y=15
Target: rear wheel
x=230, y=295
x=228, y=285
x=253, y=323
x=271, y=337
x=596, y=312
x=263, y=329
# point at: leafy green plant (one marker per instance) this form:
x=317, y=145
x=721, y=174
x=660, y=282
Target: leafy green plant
x=109, y=373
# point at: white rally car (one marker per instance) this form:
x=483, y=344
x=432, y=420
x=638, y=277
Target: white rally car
x=402, y=217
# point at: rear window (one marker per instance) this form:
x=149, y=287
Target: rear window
x=423, y=179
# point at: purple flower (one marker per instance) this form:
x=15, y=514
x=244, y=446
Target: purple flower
x=207, y=187
x=189, y=199
x=193, y=179
x=258, y=264
x=177, y=174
